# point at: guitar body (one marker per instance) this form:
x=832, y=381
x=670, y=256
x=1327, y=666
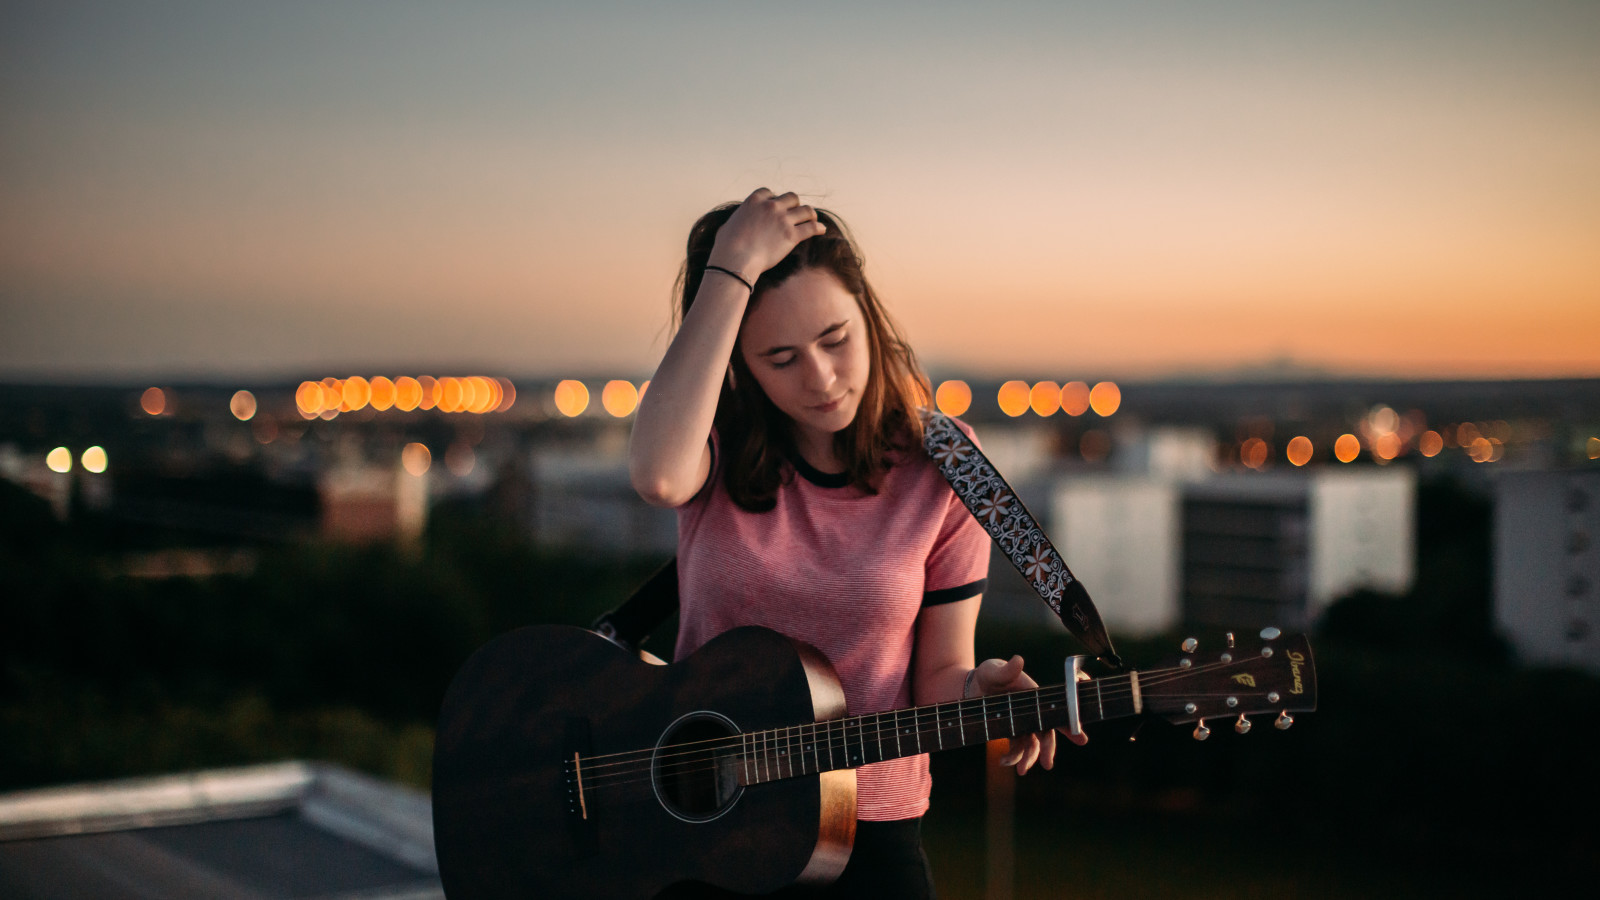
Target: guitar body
x=514, y=817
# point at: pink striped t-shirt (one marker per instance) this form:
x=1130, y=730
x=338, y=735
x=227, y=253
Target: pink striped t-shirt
x=843, y=571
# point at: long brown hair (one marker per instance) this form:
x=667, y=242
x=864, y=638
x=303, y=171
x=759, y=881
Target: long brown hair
x=753, y=434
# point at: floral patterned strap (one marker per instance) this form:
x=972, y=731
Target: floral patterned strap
x=997, y=507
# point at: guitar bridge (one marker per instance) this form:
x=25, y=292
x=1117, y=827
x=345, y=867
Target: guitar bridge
x=577, y=748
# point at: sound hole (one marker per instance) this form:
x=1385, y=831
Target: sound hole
x=695, y=770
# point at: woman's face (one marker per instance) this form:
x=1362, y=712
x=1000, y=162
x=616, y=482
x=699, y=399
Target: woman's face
x=806, y=344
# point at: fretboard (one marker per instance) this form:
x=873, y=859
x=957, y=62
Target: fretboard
x=862, y=740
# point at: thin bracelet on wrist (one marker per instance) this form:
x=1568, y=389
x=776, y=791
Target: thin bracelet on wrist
x=734, y=275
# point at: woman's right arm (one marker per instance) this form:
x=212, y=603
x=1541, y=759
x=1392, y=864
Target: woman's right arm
x=669, y=458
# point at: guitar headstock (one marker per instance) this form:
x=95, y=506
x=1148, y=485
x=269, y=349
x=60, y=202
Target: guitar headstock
x=1274, y=676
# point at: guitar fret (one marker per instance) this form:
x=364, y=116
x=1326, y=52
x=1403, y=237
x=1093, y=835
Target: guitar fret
x=938, y=730
x=1011, y=712
x=1038, y=710
x=897, y=751
x=984, y=704
x=743, y=740
x=1099, y=701
x=861, y=736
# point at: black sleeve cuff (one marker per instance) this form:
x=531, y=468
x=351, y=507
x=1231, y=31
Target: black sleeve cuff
x=951, y=595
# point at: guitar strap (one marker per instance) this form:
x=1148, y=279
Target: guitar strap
x=990, y=500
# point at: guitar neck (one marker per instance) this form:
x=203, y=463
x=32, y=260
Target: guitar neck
x=857, y=741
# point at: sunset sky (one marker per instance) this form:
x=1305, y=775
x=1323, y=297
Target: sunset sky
x=1062, y=190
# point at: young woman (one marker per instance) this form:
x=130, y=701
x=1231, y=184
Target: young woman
x=783, y=426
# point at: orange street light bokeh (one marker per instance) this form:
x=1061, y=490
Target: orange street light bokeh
x=1014, y=398
x=1346, y=448
x=1105, y=398
x=1299, y=450
x=430, y=392
x=383, y=394
x=153, y=401
x=416, y=458
x=243, y=405
x=572, y=398
x=94, y=459
x=1254, y=452
x=1075, y=398
x=953, y=398
x=620, y=398
x=407, y=393
x=1045, y=398
x=1430, y=443
x=356, y=393
x=59, y=460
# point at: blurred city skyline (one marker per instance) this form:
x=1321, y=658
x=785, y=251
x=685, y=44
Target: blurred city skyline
x=1397, y=189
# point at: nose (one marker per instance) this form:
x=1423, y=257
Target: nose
x=819, y=373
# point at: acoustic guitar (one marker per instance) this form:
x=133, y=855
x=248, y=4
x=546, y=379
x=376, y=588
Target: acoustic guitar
x=567, y=767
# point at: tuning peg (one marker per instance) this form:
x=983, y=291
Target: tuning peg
x=1243, y=725
x=1270, y=634
x=1284, y=721
x=1190, y=645
x=1230, y=640
x=1201, y=732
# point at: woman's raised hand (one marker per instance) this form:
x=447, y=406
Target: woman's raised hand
x=762, y=231
x=997, y=676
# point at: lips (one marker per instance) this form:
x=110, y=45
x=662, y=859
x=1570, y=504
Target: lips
x=830, y=406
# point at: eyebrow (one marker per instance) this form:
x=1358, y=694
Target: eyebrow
x=774, y=351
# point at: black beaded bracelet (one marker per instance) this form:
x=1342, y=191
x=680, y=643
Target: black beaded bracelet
x=734, y=275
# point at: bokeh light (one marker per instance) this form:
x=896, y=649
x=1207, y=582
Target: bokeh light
x=572, y=398
x=1430, y=443
x=460, y=459
x=332, y=395
x=429, y=397
x=620, y=398
x=1254, y=452
x=450, y=395
x=953, y=397
x=243, y=405
x=94, y=459
x=1346, y=448
x=1299, y=450
x=382, y=393
x=416, y=458
x=1045, y=398
x=1105, y=398
x=407, y=393
x=308, y=398
x=1481, y=450
x=356, y=392
x=1094, y=446
x=1075, y=398
x=153, y=401
x=1386, y=447
x=59, y=460
x=1594, y=448
x=1013, y=398
x=508, y=394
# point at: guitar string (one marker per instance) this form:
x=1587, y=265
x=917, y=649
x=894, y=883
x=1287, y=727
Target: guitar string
x=773, y=746
x=1148, y=679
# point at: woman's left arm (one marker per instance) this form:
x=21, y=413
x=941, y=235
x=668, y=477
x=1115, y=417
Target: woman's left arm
x=944, y=657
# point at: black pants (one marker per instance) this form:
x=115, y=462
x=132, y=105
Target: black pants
x=887, y=863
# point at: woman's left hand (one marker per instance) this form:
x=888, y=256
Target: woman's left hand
x=999, y=676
